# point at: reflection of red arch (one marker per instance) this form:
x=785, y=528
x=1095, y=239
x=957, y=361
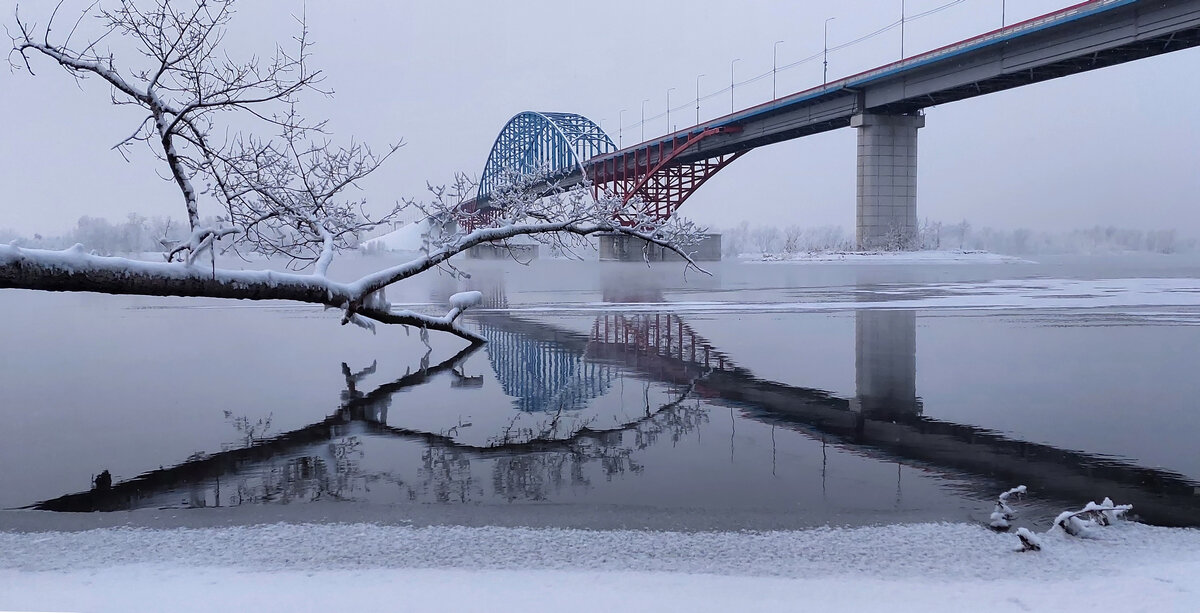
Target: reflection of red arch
x=662, y=334
x=662, y=185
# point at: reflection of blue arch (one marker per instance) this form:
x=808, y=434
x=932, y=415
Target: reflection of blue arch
x=542, y=375
x=543, y=142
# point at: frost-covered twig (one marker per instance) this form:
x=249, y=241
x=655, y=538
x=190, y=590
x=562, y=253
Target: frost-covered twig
x=1075, y=523
x=1029, y=541
x=1079, y=523
x=281, y=195
x=1003, y=513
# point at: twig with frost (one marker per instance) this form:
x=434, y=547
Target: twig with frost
x=1080, y=523
x=1075, y=523
x=1003, y=513
x=1029, y=541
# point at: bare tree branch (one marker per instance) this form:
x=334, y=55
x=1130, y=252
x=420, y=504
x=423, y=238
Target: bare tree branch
x=283, y=195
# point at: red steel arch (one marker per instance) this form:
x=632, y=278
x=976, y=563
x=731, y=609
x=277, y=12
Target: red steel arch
x=654, y=175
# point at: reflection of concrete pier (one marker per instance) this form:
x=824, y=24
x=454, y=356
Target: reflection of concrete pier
x=885, y=362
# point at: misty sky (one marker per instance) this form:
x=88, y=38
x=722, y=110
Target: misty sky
x=1116, y=146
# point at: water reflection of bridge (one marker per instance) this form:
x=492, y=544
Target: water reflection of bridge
x=884, y=419
x=664, y=334
x=543, y=375
x=553, y=364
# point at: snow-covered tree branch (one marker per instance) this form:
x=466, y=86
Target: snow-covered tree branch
x=280, y=196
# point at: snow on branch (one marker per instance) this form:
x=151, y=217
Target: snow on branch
x=77, y=270
x=1081, y=522
x=1074, y=523
x=1003, y=513
x=280, y=195
x=284, y=195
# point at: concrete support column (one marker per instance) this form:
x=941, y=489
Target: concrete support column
x=887, y=180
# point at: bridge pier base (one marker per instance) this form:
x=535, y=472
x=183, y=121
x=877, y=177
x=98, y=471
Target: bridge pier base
x=887, y=180
x=626, y=248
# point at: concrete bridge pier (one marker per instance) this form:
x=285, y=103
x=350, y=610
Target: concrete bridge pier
x=887, y=180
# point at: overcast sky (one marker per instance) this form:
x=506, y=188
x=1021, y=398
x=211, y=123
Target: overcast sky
x=1117, y=146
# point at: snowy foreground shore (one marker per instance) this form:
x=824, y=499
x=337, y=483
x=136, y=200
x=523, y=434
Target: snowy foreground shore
x=370, y=567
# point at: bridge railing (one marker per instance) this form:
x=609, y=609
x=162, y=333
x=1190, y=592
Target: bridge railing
x=1004, y=32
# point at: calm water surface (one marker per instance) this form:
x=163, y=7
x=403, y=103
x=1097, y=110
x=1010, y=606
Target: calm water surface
x=795, y=395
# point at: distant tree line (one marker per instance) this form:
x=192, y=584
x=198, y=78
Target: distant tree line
x=136, y=234
x=937, y=235
x=139, y=234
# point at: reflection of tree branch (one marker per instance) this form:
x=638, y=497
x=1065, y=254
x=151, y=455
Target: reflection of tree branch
x=446, y=462
x=646, y=425
x=201, y=467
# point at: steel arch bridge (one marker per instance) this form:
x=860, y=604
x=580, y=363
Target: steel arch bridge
x=571, y=147
x=532, y=142
x=655, y=177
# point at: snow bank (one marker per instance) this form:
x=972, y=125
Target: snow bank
x=925, y=567
x=887, y=257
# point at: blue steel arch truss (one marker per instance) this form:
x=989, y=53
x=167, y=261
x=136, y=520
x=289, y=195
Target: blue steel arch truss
x=544, y=376
x=556, y=143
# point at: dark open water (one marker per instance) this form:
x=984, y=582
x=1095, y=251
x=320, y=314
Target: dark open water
x=767, y=395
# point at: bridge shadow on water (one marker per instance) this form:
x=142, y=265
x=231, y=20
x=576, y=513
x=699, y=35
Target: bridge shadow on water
x=553, y=375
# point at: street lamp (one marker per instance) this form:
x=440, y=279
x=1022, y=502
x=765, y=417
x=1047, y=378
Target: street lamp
x=774, y=67
x=698, y=98
x=1003, y=9
x=621, y=129
x=732, y=82
x=669, y=90
x=644, y=119
x=902, y=29
x=825, y=74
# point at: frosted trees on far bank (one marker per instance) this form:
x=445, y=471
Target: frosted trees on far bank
x=284, y=195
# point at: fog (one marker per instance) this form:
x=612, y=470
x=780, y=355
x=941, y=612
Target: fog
x=1103, y=148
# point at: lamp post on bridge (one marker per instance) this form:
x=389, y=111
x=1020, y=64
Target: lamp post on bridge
x=902, y=29
x=774, y=67
x=621, y=129
x=825, y=74
x=669, y=90
x=732, y=83
x=644, y=119
x=698, y=98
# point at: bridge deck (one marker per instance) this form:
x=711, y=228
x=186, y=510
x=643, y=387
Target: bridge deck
x=1077, y=39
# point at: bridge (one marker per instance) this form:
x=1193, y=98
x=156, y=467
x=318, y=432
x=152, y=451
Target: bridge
x=885, y=104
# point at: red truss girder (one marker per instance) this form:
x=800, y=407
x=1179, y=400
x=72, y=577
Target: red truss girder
x=470, y=216
x=653, y=175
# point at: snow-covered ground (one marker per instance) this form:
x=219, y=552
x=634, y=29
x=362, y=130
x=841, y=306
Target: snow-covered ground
x=920, y=567
x=886, y=257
